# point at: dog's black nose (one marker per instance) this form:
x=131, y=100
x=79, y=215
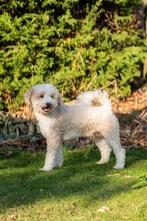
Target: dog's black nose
x=48, y=105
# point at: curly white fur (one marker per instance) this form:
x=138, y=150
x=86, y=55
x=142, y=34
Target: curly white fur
x=90, y=116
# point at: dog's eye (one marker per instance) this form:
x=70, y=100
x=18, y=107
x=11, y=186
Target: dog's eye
x=52, y=96
x=41, y=96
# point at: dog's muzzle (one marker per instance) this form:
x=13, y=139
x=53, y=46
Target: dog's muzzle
x=47, y=107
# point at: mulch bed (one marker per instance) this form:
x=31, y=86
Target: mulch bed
x=132, y=115
x=17, y=131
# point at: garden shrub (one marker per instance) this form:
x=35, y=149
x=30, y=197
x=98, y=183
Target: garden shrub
x=76, y=45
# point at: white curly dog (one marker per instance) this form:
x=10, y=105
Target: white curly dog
x=90, y=116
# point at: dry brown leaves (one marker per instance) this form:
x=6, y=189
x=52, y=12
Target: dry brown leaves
x=132, y=115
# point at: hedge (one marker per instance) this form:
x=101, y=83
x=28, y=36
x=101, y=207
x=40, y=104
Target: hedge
x=76, y=45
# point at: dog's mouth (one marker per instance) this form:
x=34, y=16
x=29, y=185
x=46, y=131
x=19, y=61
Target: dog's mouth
x=46, y=109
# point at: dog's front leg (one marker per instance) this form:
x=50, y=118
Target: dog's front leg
x=50, y=158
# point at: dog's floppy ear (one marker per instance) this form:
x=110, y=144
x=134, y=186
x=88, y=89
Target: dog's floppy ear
x=60, y=100
x=28, y=97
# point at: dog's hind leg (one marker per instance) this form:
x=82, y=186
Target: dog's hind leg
x=119, y=153
x=104, y=149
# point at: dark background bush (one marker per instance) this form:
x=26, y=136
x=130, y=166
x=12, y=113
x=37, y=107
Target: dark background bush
x=76, y=45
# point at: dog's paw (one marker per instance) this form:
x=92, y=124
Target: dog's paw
x=45, y=169
x=118, y=167
x=101, y=162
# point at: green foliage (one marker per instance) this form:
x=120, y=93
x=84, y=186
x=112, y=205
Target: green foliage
x=77, y=45
x=142, y=182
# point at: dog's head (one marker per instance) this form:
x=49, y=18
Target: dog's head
x=43, y=98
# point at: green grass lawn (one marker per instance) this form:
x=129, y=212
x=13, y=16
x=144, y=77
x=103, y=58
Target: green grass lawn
x=80, y=190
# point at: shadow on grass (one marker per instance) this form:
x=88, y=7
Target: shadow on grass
x=22, y=184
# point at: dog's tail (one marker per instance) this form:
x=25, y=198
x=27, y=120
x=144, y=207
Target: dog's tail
x=97, y=98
